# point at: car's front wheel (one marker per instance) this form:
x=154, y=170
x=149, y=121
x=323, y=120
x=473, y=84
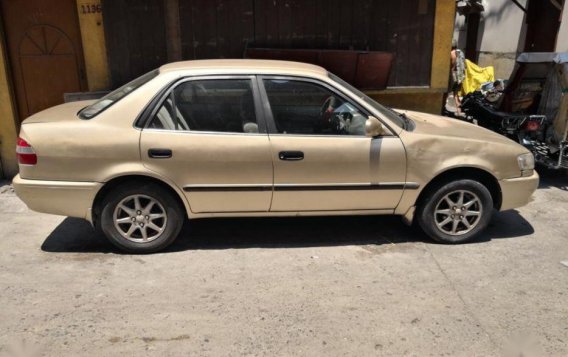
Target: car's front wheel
x=141, y=219
x=455, y=212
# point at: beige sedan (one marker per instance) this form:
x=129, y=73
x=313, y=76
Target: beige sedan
x=242, y=138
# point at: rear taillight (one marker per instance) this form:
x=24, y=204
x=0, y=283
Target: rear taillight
x=25, y=152
x=532, y=125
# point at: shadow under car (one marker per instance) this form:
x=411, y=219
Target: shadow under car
x=75, y=235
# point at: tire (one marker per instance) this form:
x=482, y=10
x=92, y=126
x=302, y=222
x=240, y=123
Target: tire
x=140, y=219
x=444, y=219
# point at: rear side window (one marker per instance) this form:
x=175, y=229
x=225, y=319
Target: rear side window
x=116, y=95
x=215, y=105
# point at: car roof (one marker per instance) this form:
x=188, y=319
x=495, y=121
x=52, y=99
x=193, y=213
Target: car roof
x=243, y=66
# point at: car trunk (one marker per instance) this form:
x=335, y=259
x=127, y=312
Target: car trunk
x=62, y=112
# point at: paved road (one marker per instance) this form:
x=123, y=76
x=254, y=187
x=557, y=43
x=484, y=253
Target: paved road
x=309, y=286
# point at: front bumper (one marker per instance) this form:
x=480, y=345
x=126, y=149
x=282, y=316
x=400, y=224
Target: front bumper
x=518, y=192
x=65, y=198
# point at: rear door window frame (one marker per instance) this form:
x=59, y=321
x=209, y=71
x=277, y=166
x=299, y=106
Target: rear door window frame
x=145, y=78
x=155, y=104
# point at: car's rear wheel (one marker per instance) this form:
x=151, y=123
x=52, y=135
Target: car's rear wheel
x=141, y=219
x=455, y=212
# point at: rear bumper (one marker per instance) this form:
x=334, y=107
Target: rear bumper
x=65, y=198
x=518, y=192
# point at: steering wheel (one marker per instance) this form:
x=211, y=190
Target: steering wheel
x=327, y=107
x=326, y=114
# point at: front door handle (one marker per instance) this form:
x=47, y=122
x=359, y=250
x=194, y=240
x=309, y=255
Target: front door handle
x=159, y=153
x=291, y=155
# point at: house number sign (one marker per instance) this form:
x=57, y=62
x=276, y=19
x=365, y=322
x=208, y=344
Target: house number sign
x=92, y=8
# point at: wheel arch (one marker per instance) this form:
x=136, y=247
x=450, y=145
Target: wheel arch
x=482, y=176
x=137, y=178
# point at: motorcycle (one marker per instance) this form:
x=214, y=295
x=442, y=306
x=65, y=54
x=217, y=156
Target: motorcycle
x=532, y=108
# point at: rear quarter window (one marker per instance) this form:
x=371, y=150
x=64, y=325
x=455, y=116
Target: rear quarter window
x=108, y=100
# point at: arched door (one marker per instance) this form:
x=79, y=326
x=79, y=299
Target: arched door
x=44, y=47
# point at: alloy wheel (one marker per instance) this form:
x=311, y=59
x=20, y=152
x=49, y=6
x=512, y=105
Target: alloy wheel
x=458, y=212
x=140, y=218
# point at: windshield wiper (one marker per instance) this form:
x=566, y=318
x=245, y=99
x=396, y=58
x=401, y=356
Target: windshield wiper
x=406, y=120
x=402, y=116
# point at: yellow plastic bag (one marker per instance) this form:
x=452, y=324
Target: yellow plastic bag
x=475, y=76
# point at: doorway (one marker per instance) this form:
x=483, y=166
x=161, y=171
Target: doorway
x=543, y=23
x=44, y=48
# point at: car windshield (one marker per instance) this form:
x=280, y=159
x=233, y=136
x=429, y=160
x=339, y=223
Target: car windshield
x=385, y=111
x=116, y=95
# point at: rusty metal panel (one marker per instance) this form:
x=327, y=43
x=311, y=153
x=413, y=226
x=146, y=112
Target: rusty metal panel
x=215, y=28
x=342, y=63
x=412, y=30
x=306, y=56
x=373, y=69
x=135, y=36
x=368, y=70
x=403, y=28
x=225, y=28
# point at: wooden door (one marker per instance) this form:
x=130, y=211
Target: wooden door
x=44, y=47
x=543, y=23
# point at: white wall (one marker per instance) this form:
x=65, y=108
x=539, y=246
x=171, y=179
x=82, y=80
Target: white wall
x=502, y=26
x=562, y=40
x=501, y=35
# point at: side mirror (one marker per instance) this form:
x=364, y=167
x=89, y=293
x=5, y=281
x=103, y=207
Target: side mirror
x=373, y=127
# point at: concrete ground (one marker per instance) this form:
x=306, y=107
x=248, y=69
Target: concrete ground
x=354, y=286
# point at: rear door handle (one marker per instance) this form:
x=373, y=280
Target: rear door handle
x=159, y=153
x=291, y=155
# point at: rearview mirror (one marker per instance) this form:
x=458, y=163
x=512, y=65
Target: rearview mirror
x=373, y=127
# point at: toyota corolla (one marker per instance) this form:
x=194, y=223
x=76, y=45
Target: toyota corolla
x=243, y=138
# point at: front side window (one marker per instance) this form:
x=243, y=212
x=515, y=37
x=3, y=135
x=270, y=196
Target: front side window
x=301, y=107
x=116, y=95
x=217, y=105
x=395, y=117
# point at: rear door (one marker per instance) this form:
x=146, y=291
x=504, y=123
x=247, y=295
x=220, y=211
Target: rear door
x=322, y=159
x=207, y=135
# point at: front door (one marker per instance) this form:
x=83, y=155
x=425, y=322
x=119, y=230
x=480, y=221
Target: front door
x=44, y=47
x=208, y=137
x=322, y=159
